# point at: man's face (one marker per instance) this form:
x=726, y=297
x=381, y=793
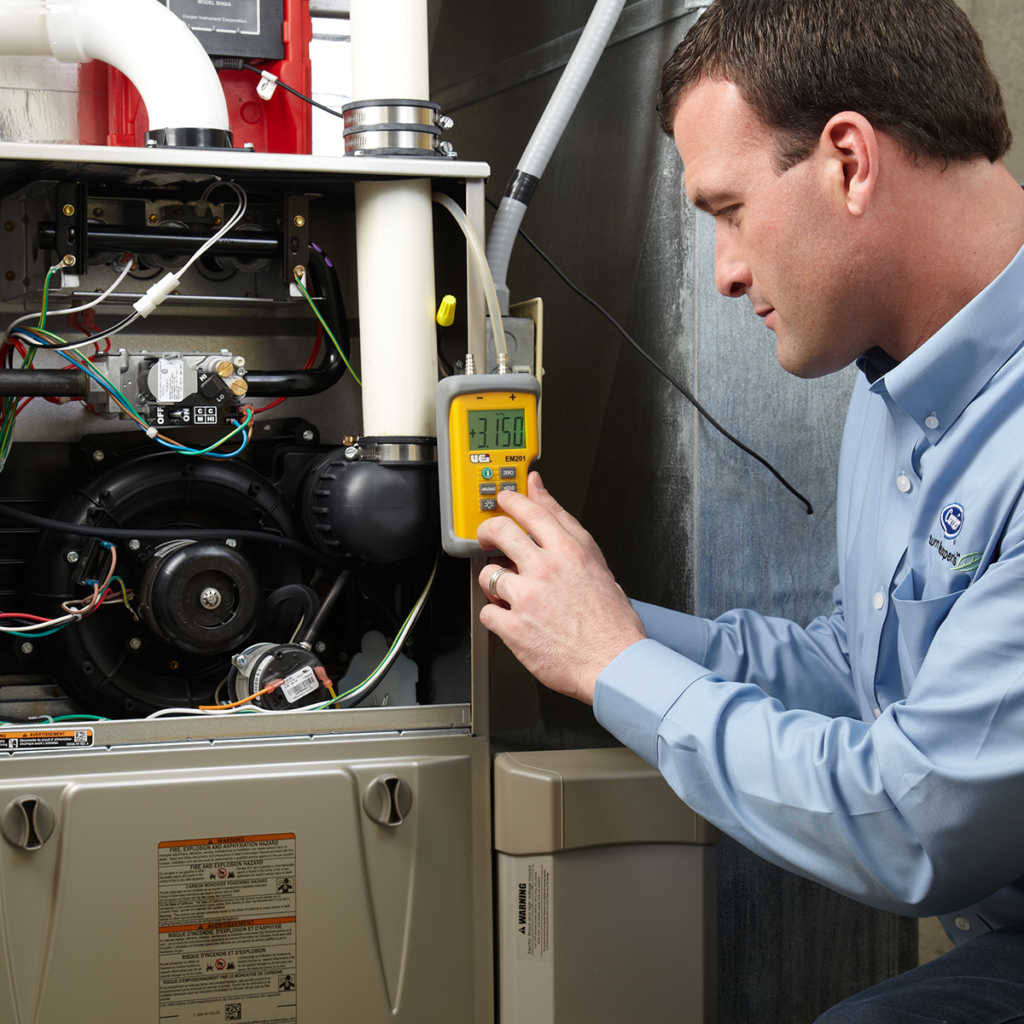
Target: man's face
x=781, y=239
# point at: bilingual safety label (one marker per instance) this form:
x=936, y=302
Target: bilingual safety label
x=533, y=901
x=45, y=739
x=227, y=923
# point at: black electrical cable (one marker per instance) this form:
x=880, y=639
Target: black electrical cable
x=111, y=533
x=294, y=92
x=26, y=339
x=681, y=388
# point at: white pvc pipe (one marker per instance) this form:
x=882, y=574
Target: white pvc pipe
x=547, y=133
x=151, y=46
x=397, y=333
x=389, y=50
x=394, y=235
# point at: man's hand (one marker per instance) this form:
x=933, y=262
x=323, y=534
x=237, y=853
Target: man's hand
x=558, y=609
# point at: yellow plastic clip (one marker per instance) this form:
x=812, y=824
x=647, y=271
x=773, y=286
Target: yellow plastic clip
x=446, y=311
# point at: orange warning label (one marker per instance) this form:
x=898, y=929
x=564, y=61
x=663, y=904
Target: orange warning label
x=45, y=739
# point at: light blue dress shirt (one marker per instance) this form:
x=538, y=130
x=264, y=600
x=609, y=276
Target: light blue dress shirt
x=879, y=750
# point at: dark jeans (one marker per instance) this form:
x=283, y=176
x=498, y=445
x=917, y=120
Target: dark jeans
x=980, y=982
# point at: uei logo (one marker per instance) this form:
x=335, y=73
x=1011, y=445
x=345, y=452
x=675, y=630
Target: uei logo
x=952, y=520
x=479, y=457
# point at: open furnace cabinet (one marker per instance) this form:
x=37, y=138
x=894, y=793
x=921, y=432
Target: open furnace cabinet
x=314, y=866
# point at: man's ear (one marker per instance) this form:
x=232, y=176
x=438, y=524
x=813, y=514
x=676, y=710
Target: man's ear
x=849, y=144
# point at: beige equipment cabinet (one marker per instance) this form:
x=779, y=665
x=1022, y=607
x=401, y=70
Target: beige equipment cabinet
x=310, y=867
x=606, y=908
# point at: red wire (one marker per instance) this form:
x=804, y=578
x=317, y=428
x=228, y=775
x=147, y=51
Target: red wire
x=23, y=615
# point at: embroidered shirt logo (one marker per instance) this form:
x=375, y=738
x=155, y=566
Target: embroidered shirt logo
x=967, y=563
x=952, y=520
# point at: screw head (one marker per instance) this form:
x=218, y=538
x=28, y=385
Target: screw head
x=68, y=210
x=10, y=275
x=135, y=643
x=27, y=648
x=299, y=221
x=308, y=435
x=134, y=544
x=231, y=542
x=320, y=647
x=72, y=557
x=97, y=211
x=240, y=660
x=68, y=261
x=98, y=455
x=352, y=453
x=210, y=598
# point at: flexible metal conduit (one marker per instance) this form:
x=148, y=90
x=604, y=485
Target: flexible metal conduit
x=545, y=137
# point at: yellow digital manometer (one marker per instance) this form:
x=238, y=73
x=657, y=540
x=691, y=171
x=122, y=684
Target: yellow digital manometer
x=487, y=440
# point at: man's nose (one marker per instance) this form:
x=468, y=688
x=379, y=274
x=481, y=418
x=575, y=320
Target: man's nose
x=732, y=272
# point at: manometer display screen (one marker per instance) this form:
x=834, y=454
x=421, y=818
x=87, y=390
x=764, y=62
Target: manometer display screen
x=497, y=428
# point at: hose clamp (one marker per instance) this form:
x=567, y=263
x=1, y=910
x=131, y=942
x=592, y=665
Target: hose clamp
x=395, y=128
x=404, y=450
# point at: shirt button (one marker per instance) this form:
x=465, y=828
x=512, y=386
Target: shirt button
x=962, y=923
x=878, y=600
x=878, y=712
x=903, y=482
x=931, y=422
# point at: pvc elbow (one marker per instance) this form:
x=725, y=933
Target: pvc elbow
x=153, y=48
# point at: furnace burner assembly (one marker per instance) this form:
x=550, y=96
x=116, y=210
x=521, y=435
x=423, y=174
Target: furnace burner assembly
x=226, y=529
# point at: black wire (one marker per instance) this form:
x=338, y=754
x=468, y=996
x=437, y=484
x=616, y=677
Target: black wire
x=294, y=92
x=110, y=533
x=681, y=388
x=24, y=334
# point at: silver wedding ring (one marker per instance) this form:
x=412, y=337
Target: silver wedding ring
x=492, y=582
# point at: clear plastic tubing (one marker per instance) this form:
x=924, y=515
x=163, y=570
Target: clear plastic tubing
x=546, y=135
x=477, y=249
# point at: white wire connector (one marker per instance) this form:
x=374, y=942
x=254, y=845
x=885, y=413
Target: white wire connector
x=156, y=295
x=267, y=86
x=151, y=432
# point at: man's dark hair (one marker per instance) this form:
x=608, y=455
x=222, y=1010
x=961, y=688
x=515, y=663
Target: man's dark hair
x=915, y=69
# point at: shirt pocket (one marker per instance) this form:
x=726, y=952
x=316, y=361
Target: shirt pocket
x=919, y=621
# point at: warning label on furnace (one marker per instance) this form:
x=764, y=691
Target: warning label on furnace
x=227, y=925
x=45, y=739
x=533, y=900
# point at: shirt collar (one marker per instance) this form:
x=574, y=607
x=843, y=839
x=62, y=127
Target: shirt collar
x=937, y=381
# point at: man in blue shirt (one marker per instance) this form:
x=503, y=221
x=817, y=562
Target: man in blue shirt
x=850, y=153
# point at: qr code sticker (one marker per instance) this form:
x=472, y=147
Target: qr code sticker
x=81, y=737
x=232, y=1011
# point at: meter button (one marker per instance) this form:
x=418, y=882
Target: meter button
x=508, y=472
x=487, y=472
x=509, y=487
x=488, y=504
x=488, y=488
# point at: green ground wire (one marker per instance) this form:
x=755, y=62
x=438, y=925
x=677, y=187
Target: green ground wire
x=330, y=333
